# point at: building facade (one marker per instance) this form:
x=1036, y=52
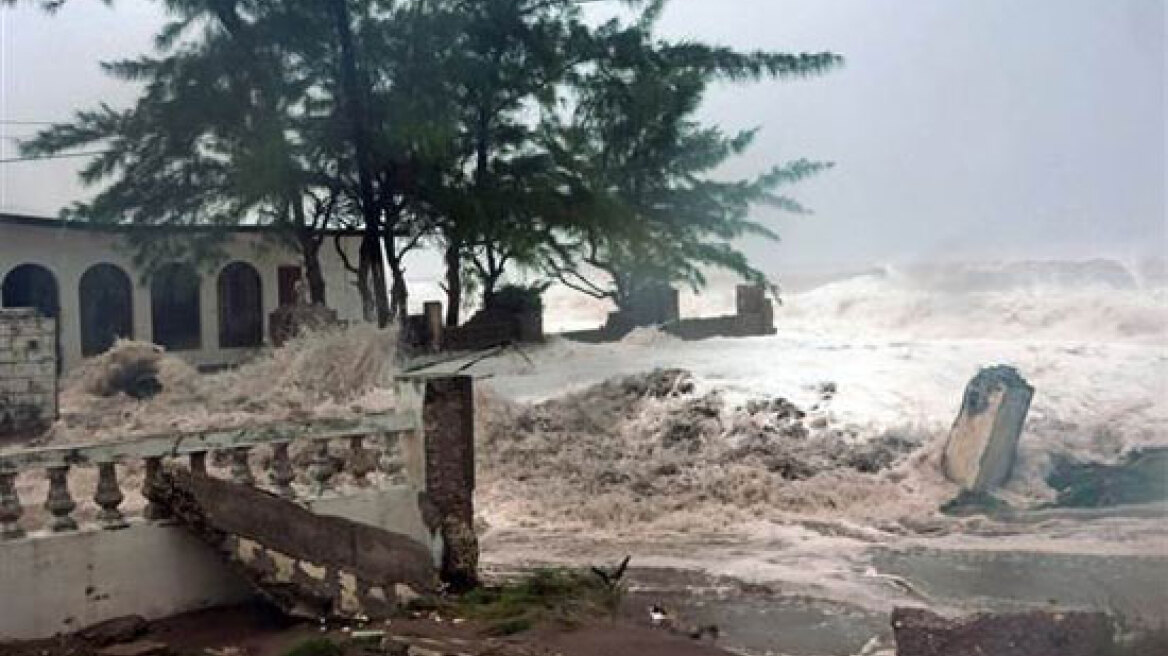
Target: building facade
x=84, y=277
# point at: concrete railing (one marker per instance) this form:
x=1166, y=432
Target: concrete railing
x=391, y=443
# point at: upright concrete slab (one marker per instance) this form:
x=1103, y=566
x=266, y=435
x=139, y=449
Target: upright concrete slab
x=983, y=442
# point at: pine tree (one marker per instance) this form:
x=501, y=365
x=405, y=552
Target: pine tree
x=649, y=207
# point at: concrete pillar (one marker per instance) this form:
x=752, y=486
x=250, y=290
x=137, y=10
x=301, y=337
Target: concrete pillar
x=432, y=312
x=448, y=416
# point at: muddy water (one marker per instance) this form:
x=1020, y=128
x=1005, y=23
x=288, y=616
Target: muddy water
x=759, y=619
x=1131, y=585
x=753, y=619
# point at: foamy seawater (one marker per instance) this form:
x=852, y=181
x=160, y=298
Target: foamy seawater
x=899, y=347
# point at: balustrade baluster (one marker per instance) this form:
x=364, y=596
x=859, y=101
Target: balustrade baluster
x=153, y=511
x=359, y=460
x=198, y=461
x=282, y=473
x=390, y=462
x=240, y=468
x=108, y=496
x=10, y=509
x=321, y=469
x=59, y=502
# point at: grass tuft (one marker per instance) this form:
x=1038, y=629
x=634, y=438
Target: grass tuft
x=316, y=647
x=562, y=596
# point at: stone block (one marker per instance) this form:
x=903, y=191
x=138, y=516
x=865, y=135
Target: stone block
x=980, y=453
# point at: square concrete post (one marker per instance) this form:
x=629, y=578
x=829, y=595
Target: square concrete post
x=432, y=312
x=448, y=416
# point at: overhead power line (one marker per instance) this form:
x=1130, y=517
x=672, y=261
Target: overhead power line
x=33, y=158
x=5, y=121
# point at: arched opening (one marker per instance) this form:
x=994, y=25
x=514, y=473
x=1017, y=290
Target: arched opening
x=174, y=307
x=106, y=304
x=32, y=286
x=241, y=306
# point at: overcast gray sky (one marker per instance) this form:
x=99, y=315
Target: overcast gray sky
x=973, y=129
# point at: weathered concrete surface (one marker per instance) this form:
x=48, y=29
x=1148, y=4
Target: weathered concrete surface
x=923, y=633
x=61, y=583
x=308, y=564
x=448, y=415
x=980, y=452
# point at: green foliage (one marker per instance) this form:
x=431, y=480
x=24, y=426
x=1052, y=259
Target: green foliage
x=641, y=167
x=508, y=132
x=316, y=647
x=546, y=595
x=518, y=298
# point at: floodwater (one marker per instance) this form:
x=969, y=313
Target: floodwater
x=760, y=619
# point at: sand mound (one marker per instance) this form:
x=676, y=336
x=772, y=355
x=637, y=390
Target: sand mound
x=649, y=449
x=327, y=374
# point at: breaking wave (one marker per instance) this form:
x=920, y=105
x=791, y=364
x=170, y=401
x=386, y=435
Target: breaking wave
x=1095, y=300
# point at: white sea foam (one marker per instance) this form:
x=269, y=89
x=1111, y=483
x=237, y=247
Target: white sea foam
x=900, y=346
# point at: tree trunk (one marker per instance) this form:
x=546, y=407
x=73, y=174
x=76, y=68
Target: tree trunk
x=364, y=285
x=353, y=102
x=453, y=258
x=312, y=271
x=398, y=292
x=310, y=251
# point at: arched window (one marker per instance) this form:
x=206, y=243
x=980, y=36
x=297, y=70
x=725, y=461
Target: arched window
x=32, y=285
x=241, y=306
x=105, y=298
x=174, y=307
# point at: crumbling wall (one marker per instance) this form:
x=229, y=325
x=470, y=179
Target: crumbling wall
x=28, y=372
x=755, y=315
x=487, y=328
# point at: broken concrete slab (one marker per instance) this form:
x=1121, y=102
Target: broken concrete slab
x=307, y=564
x=920, y=632
x=980, y=453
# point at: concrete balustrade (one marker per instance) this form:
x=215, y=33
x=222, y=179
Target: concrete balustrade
x=56, y=462
x=75, y=537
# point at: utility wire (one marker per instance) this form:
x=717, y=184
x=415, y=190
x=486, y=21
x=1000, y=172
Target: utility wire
x=33, y=158
x=6, y=121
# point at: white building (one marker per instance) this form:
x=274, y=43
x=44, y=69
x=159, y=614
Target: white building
x=84, y=275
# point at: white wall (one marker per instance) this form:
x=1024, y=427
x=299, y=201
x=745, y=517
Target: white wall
x=68, y=253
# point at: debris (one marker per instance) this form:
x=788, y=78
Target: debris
x=982, y=443
x=331, y=565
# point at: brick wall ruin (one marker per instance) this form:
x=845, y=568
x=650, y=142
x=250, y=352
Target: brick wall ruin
x=754, y=315
x=28, y=372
